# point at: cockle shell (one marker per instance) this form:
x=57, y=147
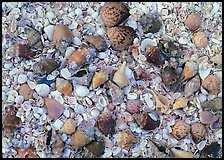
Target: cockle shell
x=181, y=154
x=42, y=89
x=162, y=102
x=96, y=147
x=119, y=76
x=97, y=41
x=82, y=91
x=154, y=56
x=180, y=129
x=207, y=117
x=180, y=103
x=26, y=91
x=78, y=56
x=200, y=39
x=64, y=86
x=190, y=70
x=24, y=51
x=54, y=108
x=11, y=122
x=211, y=84
x=125, y=139
x=198, y=132
x=99, y=78
x=193, y=21
x=82, y=77
x=145, y=121
x=115, y=93
x=69, y=126
x=34, y=39
x=192, y=86
x=114, y=13
x=133, y=106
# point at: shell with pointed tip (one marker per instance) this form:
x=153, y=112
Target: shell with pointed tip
x=180, y=129
x=115, y=92
x=192, y=86
x=190, y=70
x=119, y=76
x=125, y=139
x=54, y=108
x=99, y=78
x=145, y=121
x=120, y=37
x=96, y=147
x=154, y=56
x=97, y=41
x=180, y=103
x=64, y=86
x=198, y=132
x=69, y=126
x=11, y=122
x=207, y=117
x=114, y=13
x=211, y=84
x=162, y=102
x=181, y=154
x=193, y=21
x=79, y=56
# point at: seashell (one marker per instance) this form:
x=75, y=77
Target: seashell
x=62, y=34
x=68, y=127
x=23, y=50
x=180, y=103
x=105, y=123
x=211, y=151
x=65, y=73
x=115, y=92
x=120, y=37
x=64, y=86
x=169, y=77
x=96, y=147
x=133, y=106
x=213, y=104
x=98, y=42
x=119, y=76
x=79, y=57
x=204, y=67
x=207, y=117
x=148, y=42
x=180, y=129
x=125, y=139
x=198, y=132
x=46, y=66
x=27, y=152
x=145, y=121
x=190, y=70
x=26, y=91
x=192, y=86
x=58, y=146
x=181, y=154
x=193, y=21
x=54, y=108
x=201, y=145
x=49, y=30
x=162, y=102
x=82, y=136
x=200, y=39
x=102, y=101
x=150, y=24
x=22, y=78
x=82, y=91
x=34, y=39
x=217, y=59
x=114, y=13
x=154, y=56
x=11, y=122
x=211, y=84
x=99, y=78
x=82, y=77
x=19, y=100
x=42, y=89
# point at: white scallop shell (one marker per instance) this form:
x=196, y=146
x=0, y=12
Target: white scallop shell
x=58, y=124
x=42, y=89
x=95, y=112
x=79, y=109
x=31, y=84
x=69, y=51
x=132, y=96
x=102, y=101
x=82, y=91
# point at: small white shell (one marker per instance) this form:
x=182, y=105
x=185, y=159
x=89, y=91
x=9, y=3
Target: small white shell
x=31, y=84
x=158, y=137
x=65, y=73
x=49, y=30
x=116, y=150
x=147, y=42
x=183, y=40
x=69, y=51
x=79, y=109
x=42, y=89
x=204, y=68
x=82, y=91
x=58, y=124
x=19, y=99
x=102, y=101
x=22, y=78
x=132, y=96
x=201, y=145
x=95, y=112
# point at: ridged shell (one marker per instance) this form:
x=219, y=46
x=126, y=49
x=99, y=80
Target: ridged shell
x=119, y=76
x=180, y=129
x=96, y=147
x=34, y=39
x=181, y=154
x=200, y=39
x=192, y=86
x=120, y=37
x=69, y=126
x=125, y=139
x=64, y=86
x=190, y=70
x=154, y=56
x=11, y=122
x=97, y=41
x=79, y=56
x=162, y=102
x=114, y=13
x=193, y=21
x=54, y=108
x=145, y=121
x=46, y=66
x=180, y=103
x=198, y=132
x=99, y=78
x=211, y=84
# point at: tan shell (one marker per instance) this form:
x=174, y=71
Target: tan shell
x=193, y=21
x=69, y=126
x=162, y=102
x=200, y=39
x=24, y=51
x=125, y=139
x=11, y=122
x=58, y=146
x=78, y=56
x=190, y=70
x=119, y=76
x=114, y=13
x=27, y=152
x=181, y=154
x=192, y=86
x=99, y=78
x=97, y=41
x=212, y=84
x=180, y=103
x=64, y=86
x=198, y=132
x=180, y=129
x=207, y=117
x=120, y=37
x=26, y=91
x=54, y=108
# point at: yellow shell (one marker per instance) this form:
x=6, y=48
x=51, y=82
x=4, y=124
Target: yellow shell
x=69, y=126
x=162, y=102
x=180, y=103
x=125, y=139
x=120, y=77
x=190, y=69
x=99, y=78
x=181, y=154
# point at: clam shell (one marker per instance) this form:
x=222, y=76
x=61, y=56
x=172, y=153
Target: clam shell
x=192, y=86
x=82, y=91
x=49, y=30
x=181, y=154
x=207, y=117
x=180, y=129
x=211, y=84
x=198, y=132
x=125, y=139
x=96, y=147
x=193, y=21
x=54, y=108
x=79, y=56
x=97, y=41
x=24, y=51
x=204, y=67
x=69, y=126
x=119, y=76
x=26, y=91
x=11, y=122
x=64, y=86
x=146, y=122
x=190, y=70
x=180, y=103
x=162, y=102
x=201, y=145
x=99, y=78
x=102, y=101
x=42, y=89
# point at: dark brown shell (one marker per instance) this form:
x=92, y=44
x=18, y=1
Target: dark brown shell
x=169, y=77
x=114, y=13
x=97, y=41
x=46, y=66
x=154, y=56
x=146, y=122
x=198, y=132
x=120, y=37
x=34, y=39
x=150, y=24
x=106, y=124
x=96, y=147
x=11, y=122
x=24, y=51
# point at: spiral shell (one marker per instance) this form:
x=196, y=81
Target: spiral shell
x=99, y=78
x=162, y=102
x=119, y=76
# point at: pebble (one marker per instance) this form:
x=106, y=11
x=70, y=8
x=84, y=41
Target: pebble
x=42, y=89
x=22, y=78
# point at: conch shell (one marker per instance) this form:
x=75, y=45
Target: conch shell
x=181, y=154
x=190, y=70
x=99, y=78
x=120, y=77
x=78, y=56
x=162, y=102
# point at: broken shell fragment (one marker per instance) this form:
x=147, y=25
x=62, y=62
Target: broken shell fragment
x=115, y=93
x=99, y=78
x=181, y=154
x=198, y=132
x=125, y=139
x=79, y=57
x=11, y=122
x=96, y=147
x=64, y=86
x=82, y=77
x=54, y=108
x=133, y=106
x=69, y=126
x=162, y=102
x=26, y=91
x=211, y=84
x=97, y=41
x=207, y=117
x=193, y=21
x=119, y=76
x=146, y=122
x=154, y=56
x=200, y=39
x=190, y=70
x=192, y=86
x=180, y=129
x=180, y=103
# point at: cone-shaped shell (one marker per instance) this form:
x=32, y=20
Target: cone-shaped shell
x=99, y=78
x=78, y=56
x=162, y=102
x=64, y=86
x=54, y=108
x=125, y=139
x=69, y=126
x=120, y=77
x=190, y=69
x=181, y=154
x=180, y=103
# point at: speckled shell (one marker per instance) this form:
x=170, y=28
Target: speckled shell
x=190, y=70
x=154, y=56
x=46, y=66
x=180, y=129
x=64, y=86
x=125, y=139
x=114, y=13
x=193, y=21
x=24, y=51
x=150, y=24
x=97, y=41
x=145, y=121
x=198, y=132
x=120, y=37
x=54, y=108
x=120, y=77
x=11, y=122
x=213, y=104
x=211, y=84
x=96, y=147
x=99, y=78
x=200, y=39
x=133, y=106
x=79, y=56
